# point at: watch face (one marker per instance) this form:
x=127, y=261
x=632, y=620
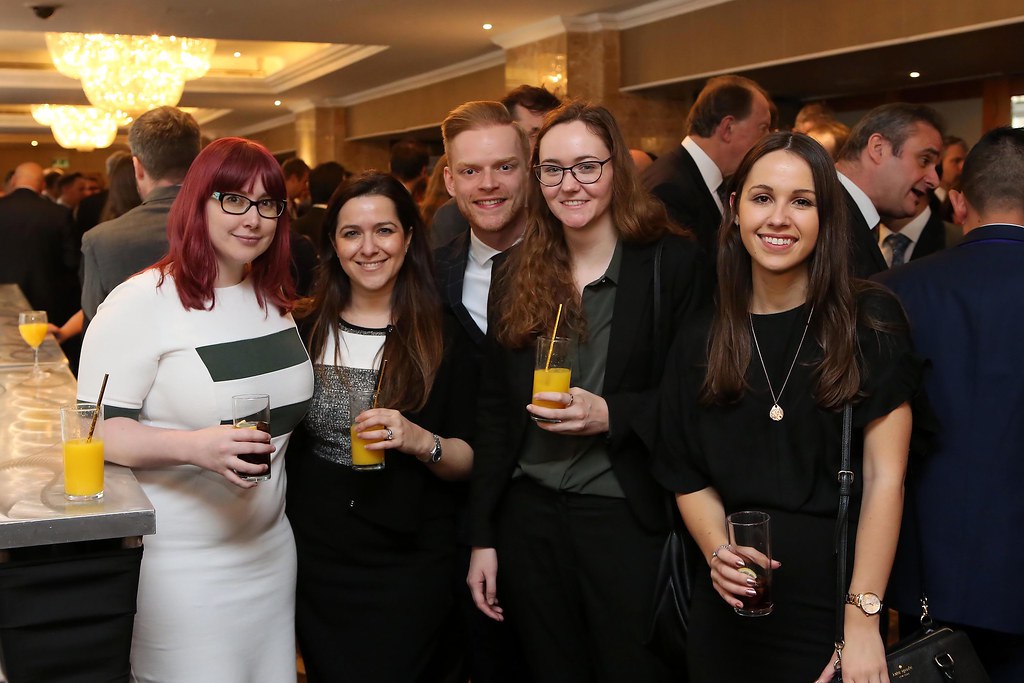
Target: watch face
x=870, y=603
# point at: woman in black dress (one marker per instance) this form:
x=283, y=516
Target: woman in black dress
x=752, y=419
x=376, y=550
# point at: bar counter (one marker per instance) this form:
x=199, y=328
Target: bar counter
x=68, y=570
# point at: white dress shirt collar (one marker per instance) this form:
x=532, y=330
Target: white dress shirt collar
x=867, y=208
x=709, y=170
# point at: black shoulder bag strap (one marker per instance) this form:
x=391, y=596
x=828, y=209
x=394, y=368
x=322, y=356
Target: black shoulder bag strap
x=842, y=529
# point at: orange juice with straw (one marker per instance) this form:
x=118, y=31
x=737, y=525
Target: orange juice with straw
x=362, y=458
x=551, y=379
x=552, y=370
x=83, y=468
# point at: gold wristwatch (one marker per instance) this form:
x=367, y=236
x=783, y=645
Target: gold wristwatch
x=869, y=603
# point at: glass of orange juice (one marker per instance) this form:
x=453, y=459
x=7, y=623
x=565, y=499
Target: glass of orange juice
x=83, y=454
x=32, y=326
x=552, y=371
x=361, y=400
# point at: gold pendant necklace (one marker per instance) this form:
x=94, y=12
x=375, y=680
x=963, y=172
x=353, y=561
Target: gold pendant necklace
x=776, y=413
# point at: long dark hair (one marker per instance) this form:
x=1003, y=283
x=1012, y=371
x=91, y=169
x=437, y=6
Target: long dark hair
x=226, y=165
x=831, y=289
x=539, y=270
x=415, y=344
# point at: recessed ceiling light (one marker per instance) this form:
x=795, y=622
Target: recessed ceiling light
x=238, y=54
x=277, y=103
x=35, y=143
x=915, y=74
x=488, y=27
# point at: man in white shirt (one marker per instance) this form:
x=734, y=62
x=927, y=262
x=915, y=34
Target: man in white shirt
x=886, y=168
x=487, y=173
x=730, y=115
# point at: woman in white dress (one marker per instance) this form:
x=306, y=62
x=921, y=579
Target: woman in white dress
x=209, y=321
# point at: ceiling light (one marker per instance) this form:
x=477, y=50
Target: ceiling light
x=238, y=54
x=277, y=103
x=127, y=72
x=35, y=143
x=81, y=128
x=915, y=74
x=488, y=27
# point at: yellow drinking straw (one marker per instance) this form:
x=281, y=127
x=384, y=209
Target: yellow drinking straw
x=96, y=413
x=380, y=379
x=551, y=346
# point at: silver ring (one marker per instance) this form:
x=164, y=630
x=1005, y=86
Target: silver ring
x=571, y=399
x=391, y=434
x=714, y=555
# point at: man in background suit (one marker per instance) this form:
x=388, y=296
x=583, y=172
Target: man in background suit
x=887, y=167
x=164, y=142
x=926, y=230
x=324, y=179
x=39, y=246
x=730, y=115
x=966, y=309
x=487, y=175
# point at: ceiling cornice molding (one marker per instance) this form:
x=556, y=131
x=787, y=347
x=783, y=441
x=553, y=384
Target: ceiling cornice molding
x=319, y=64
x=265, y=125
x=662, y=9
x=469, y=66
x=37, y=79
x=206, y=116
x=600, y=21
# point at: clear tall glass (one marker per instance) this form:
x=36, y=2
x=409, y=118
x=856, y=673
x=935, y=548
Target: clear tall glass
x=252, y=411
x=32, y=325
x=751, y=538
x=361, y=400
x=552, y=371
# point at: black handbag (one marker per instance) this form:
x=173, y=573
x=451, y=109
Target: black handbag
x=932, y=655
x=670, y=613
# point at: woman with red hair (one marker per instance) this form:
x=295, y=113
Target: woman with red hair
x=209, y=321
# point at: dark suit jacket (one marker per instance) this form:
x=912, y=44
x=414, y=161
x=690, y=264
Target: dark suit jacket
x=39, y=252
x=966, y=310
x=450, y=264
x=937, y=233
x=447, y=224
x=866, y=257
x=114, y=251
x=630, y=387
x=310, y=224
x=89, y=211
x=675, y=179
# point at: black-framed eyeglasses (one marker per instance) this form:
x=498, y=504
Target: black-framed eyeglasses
x=237, y=204
x=585, y=172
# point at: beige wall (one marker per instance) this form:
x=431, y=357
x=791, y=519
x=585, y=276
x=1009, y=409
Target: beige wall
x=87, y=162
x=278, y=139
x=425, y=106
x=746, y=32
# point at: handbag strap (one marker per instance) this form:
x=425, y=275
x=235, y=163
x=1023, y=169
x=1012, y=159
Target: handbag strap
x=842, y=527
x=658, y=346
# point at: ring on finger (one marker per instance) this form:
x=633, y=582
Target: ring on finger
x=391, y=434
x=571, y=399
x=714, y=555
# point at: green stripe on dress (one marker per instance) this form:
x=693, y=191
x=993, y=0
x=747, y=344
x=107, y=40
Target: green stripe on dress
x=253, y=357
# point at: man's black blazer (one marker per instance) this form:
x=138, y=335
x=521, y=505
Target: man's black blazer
x=675, y=179
x=636, y=357
x=866, y=256
x=40, y=253
x=450, y=265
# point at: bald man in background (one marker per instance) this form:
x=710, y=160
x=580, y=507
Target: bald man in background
x=40, y=251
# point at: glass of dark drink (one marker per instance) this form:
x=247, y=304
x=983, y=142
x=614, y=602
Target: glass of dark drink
x=750, y=537
x=252, y=411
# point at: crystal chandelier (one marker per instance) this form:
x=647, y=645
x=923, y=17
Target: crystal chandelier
x=81, y=128
x=130, y=73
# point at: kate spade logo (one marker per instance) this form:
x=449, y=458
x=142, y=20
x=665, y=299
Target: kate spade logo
x=901, y=672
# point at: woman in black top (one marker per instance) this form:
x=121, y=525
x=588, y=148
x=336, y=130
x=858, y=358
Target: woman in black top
x=566, y=521
x=752, y=419
x=376, y=550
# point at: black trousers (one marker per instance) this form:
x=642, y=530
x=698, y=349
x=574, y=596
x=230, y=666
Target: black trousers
x=576, y=577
